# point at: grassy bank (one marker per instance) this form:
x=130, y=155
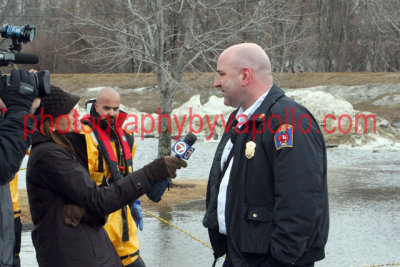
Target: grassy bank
x=180, y=192
x=73, y=82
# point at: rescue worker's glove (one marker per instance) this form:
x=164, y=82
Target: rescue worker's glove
x=136, y=212
x=18, y=93
x=162, y=168
x=72, y=214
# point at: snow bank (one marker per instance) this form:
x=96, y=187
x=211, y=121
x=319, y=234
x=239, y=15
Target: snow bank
x=331, y=106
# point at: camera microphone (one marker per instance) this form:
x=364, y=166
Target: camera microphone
x=17, y=58
x=183, y=149
x=26, y=58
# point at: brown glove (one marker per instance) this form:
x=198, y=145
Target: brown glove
x=72, y=214
x=162, y=168
x=173, y=164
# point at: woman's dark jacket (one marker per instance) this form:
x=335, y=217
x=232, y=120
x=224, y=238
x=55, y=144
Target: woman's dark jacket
x=55, y=178
x=277, y=200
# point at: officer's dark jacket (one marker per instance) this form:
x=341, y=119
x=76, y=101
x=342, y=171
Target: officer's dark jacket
x=13, y=147
x=277, y=201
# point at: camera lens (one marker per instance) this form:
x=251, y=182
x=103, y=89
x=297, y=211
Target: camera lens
x=21, y=33
x=31, y=34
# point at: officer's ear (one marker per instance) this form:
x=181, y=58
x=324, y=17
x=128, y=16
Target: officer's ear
x=245, y=76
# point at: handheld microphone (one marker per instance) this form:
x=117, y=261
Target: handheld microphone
x=17, y=58
x=183, y=149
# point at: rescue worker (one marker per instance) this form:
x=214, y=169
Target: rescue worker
x=17, y=220
x=104, y=125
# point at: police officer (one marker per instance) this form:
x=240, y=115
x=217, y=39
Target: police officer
x=267, y=200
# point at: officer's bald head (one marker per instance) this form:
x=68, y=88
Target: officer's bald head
x=249, y=55
x=244, y=74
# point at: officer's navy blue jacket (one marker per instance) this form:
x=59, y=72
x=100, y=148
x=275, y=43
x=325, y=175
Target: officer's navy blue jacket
x=277, y=197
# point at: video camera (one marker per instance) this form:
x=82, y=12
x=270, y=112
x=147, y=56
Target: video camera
x=19, y=35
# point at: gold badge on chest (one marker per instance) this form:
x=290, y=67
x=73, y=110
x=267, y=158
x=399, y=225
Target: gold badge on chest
x=250, y=149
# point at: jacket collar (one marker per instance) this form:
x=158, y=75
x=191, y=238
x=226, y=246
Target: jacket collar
x=274, y=94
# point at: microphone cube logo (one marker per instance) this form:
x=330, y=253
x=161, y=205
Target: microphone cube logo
x=182, y=150
x=188, y=153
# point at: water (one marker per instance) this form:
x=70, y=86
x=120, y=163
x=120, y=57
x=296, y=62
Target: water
x=203, y=155
x=364, y=193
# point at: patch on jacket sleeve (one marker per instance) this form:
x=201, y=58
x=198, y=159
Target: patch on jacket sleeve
x=284, y=136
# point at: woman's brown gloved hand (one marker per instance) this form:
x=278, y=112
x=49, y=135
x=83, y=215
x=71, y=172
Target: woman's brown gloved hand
x=72, y=214
x=163, y=167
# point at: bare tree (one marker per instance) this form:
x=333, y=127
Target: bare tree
x=334, y=24
x=289, y=34
x=120, y=36
x=166, y=37
x=385, y=16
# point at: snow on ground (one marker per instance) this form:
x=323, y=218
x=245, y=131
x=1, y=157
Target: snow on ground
x=330, y=105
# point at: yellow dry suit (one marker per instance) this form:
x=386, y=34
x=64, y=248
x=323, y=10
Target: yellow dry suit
x=104, y=168
x=15, y=196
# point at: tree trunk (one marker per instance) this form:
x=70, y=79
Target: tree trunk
x=164, y=140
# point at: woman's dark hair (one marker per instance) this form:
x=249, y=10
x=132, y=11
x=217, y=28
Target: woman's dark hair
x=56, y=137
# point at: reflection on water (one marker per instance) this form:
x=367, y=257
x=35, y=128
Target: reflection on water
x=163, y=245
x=364, y=190
x=364, y=193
